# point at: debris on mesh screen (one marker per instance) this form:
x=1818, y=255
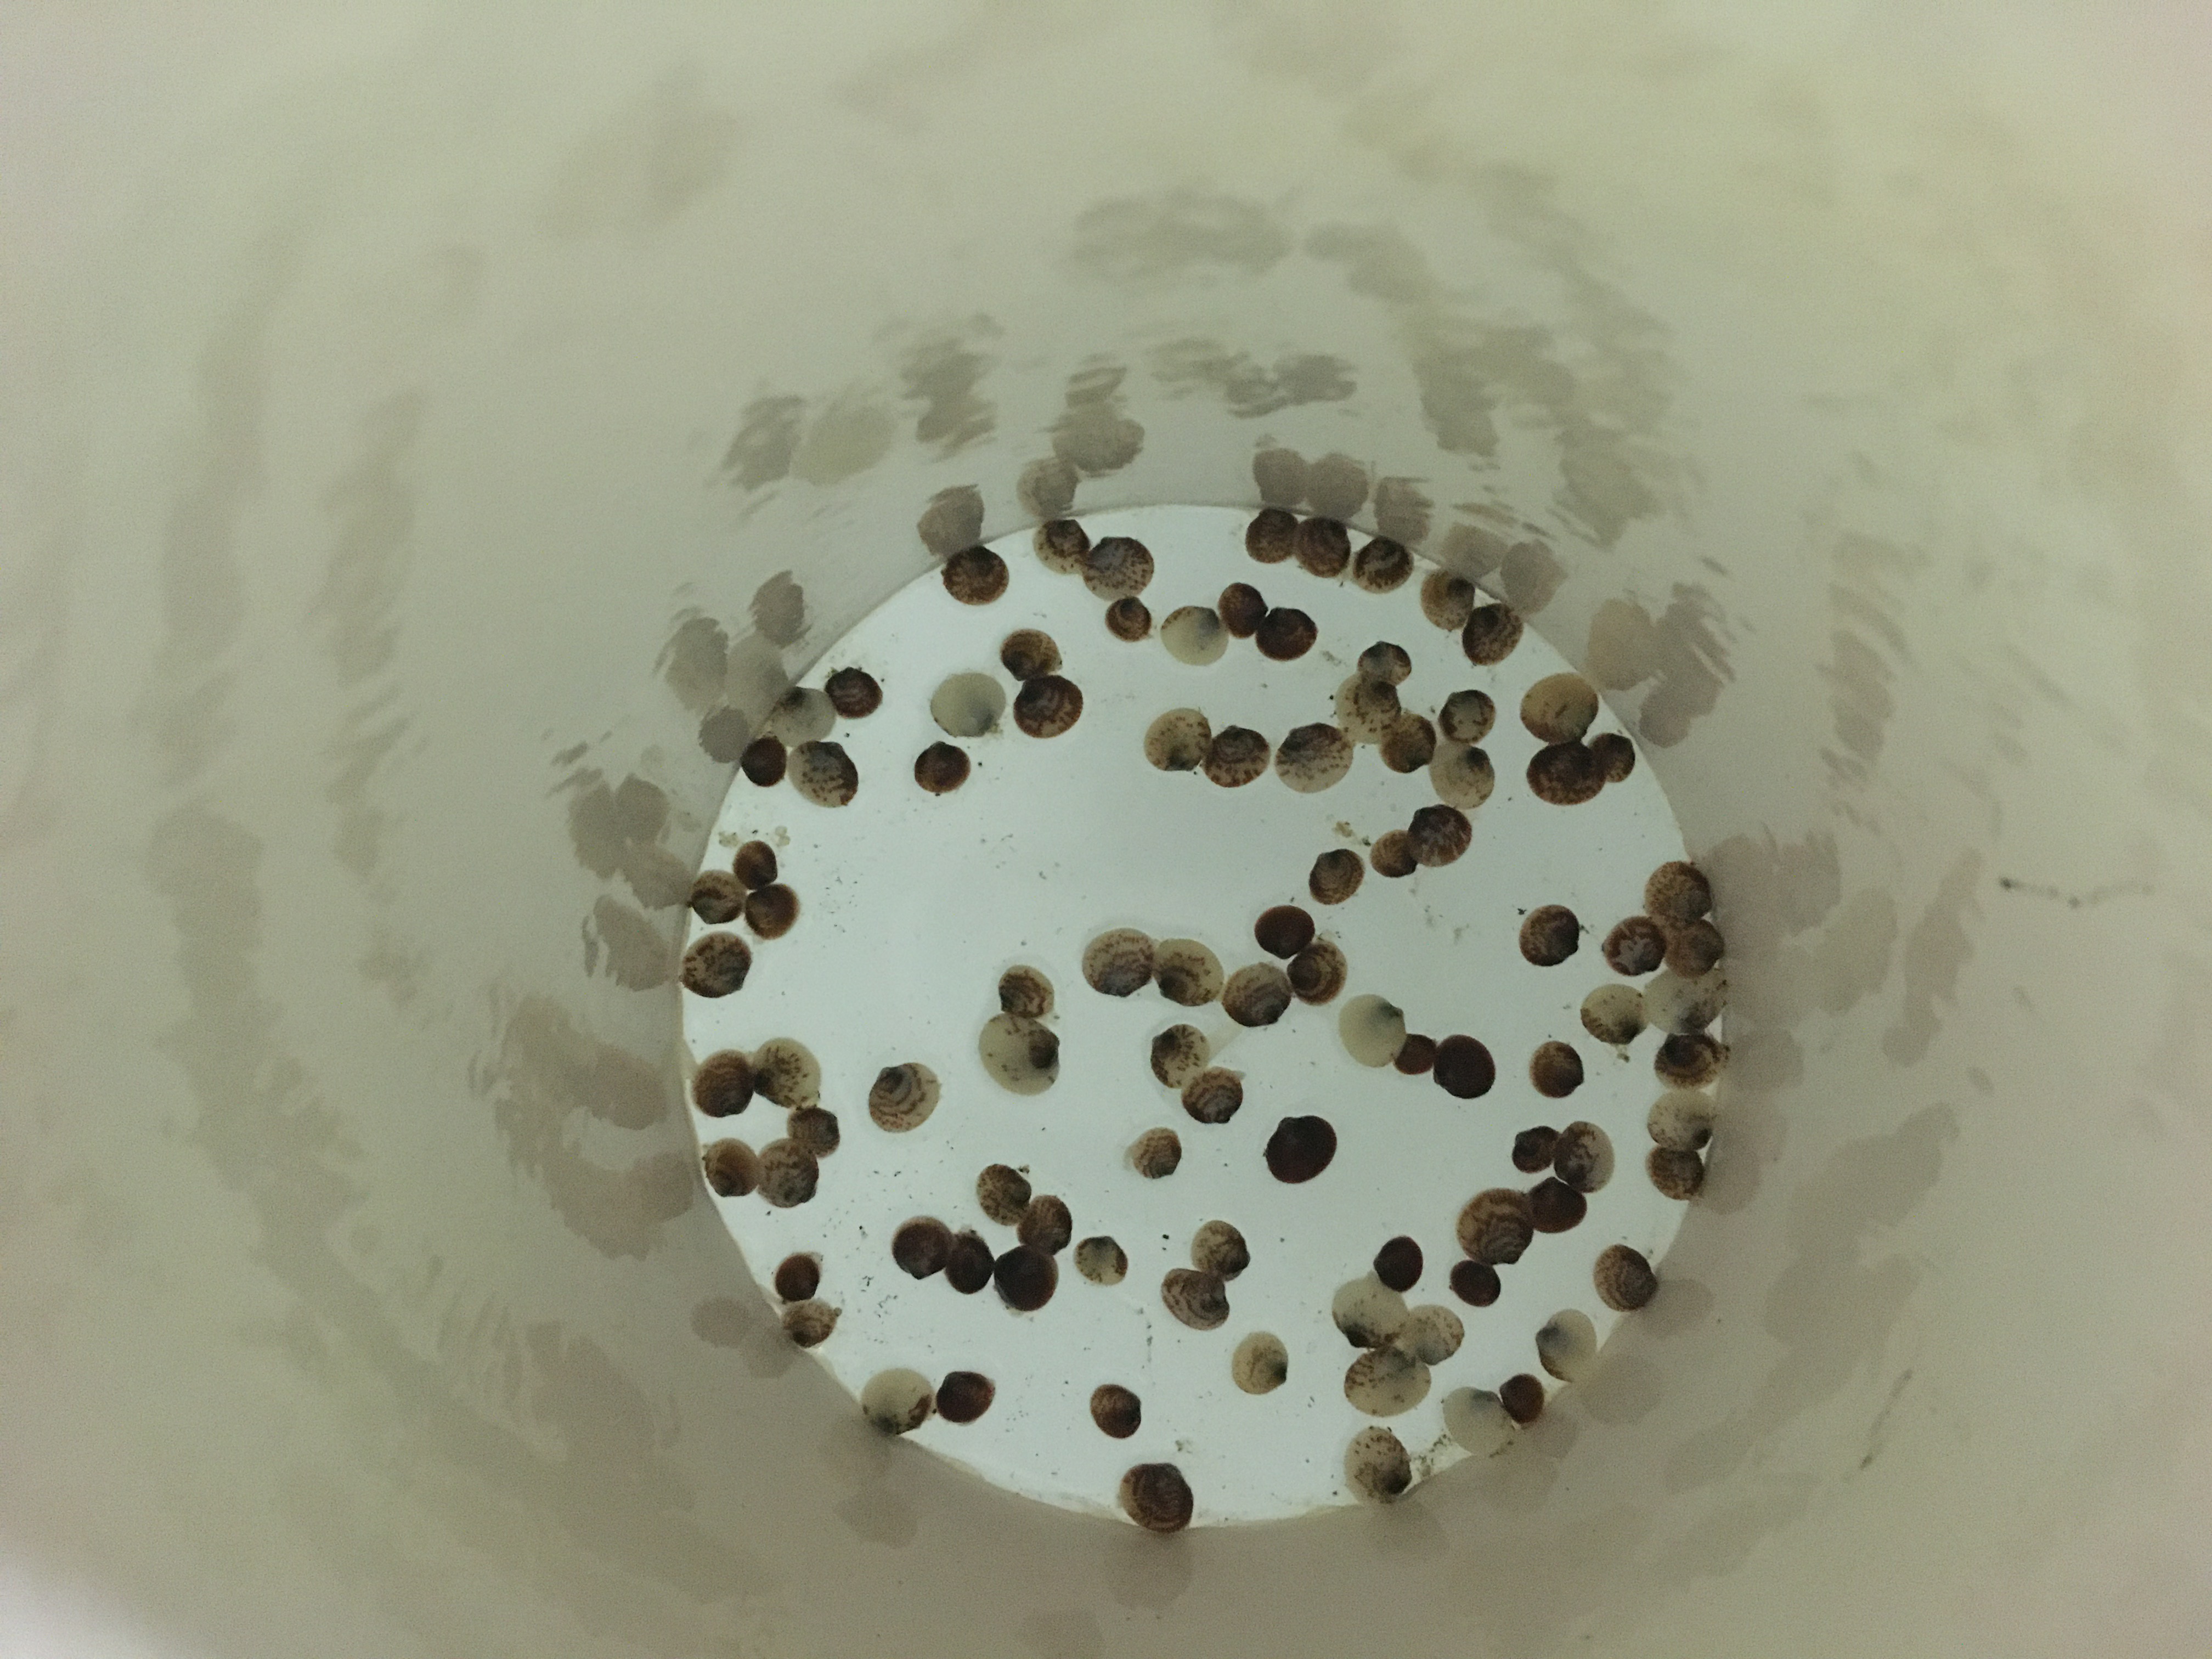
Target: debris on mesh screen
x=1273, y=1015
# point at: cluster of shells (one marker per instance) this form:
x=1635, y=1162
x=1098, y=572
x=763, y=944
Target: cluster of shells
x=1666, y=960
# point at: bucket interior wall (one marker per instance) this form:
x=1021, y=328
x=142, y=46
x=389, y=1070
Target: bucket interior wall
x=417, y=426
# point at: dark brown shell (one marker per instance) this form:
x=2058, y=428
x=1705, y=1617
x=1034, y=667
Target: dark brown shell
x=1496, y=1226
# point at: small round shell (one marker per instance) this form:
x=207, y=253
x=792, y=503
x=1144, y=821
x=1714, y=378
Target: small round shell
x=1118, y=962
x=1556, y=1207
x=1312, y=758
x=732, y=1168
x=1046, y=1224
x=1061, y=546
x=1461, y=775
x=1256, y=995
x=921, y=1247
x=1559, y=708
x=1367, y=708
x=975, y=575
x=1690, y=1061
x=1028, y=652
x=1155, y=1153
x=1522, y=1397
x=1385, y=1382
x=814, y=1128
x=1447, y=600
x=1371, y=1029
x=1116, y=1410
x=1048, y=706
x=1475, y=1283
x=968, y=1269
x=772, y=911
x=802, y=715
x=1195, y=1297
x=1477, y=1421
x=1411, y=745
x=1322, y=547
x=1384, y=661
x=1003, y=1193
x=1195, y=633
x=1369, y=1313
x=1260, y=1365
x=763, y=761
x=1179, y=740
x=717, y=896
x=1241, y=610
x=809, y=1323
x=968, y=705
x=1285, y=634
x=1615, y=753
x=1026, y=1277
x=788, y=1174
x=1623, y=1278
x=1025, y=990
x=1180, y=1054
x=942, y=768
x=1675, y=1175
x=1377, y=1466
x=1128, y=620
x=897, y=1401
x=1439, y=835
x=1432, y=1333
x=1188, y=974
x=1382, y=566
x=1635, y=947
x=1392, y=855
x=1677, y=893
x=1565, y=774
x=1283, y=930
x=1694, y=949
x=1317, y=973
x=1495, y=1227
x=1101, y=1261
x=1466, y=717
x=1549, y=935
x=1490, y=636
x=1236, y=756
x=1566, y=1345
x=723, y=1085
x=1398, y=1263
x=716, y=965
x=1271, y=536
x=1021, y=1054
x=1680, y=1006
x=754, y=864
x=1156, y=1497
x=1614, y=1013
x=964, y=1396
x=1464, y=1068
x=1533, y=1149
x=854, y=693
x=1681, y=1120
x=1300, y=1149
x=1555, y=1070
x=824, y=773
x=1335, y=876
x=1214, y=1096
x=1583, y=1157
x=786, y=1072
x=1117, y=567
x=1217, y=1247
